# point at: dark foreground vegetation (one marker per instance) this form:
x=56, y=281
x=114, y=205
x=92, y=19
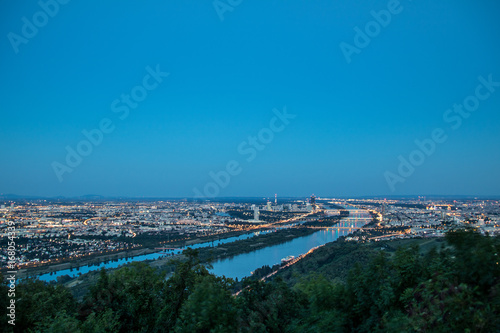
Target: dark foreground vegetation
x=454, y=288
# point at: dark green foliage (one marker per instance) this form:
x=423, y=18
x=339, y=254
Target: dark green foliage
x=450, y=291
x=455, y=289
x=133, y=294
x=178, y=288
x=476, y=260
x=334, y=260
x=268, y=307
x=38, y=305
x=323, y=299
x=210, y=308
x=104, y=322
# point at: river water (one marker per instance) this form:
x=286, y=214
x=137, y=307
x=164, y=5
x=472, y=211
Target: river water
x=152, y=256
x=241, y=265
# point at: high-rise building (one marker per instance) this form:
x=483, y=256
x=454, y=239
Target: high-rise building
x=269, y=208
x=383, y=210
x=256, y=213
x=313, y=200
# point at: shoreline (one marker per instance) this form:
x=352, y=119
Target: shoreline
x=97, y=259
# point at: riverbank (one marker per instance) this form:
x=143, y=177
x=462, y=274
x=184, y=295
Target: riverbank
x=252, y=244
x=96, y=259
x=81, y=262
x=221, y=250
x=334, y=260
x=79, y=285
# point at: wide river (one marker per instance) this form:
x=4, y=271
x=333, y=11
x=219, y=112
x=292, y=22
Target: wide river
x=242, y=265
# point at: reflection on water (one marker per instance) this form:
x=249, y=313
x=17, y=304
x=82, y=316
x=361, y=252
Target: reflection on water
x=241, y=265
x=85, y=269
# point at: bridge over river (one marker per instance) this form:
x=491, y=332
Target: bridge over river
x=243, y=264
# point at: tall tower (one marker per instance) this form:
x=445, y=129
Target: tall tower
x=276, y=198
x=383, y=209
x=313, y=200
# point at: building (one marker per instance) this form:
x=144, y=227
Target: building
x=255, y=212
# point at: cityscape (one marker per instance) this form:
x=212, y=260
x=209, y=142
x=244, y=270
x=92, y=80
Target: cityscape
x=232, y=166
x=55, y=231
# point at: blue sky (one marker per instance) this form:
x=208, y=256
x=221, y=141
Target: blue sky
x=352, y=119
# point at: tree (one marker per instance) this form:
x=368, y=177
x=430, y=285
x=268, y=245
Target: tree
x=37, y=302
x=179, y=287
x=369, y=295
x=323, y=312
x=268, y=307
x=210, y=308
x=134, y=294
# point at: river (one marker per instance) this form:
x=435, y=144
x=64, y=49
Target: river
x=152, y=256
x=241, y=265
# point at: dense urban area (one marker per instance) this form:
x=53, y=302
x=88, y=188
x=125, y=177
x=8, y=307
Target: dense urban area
x=53, y=231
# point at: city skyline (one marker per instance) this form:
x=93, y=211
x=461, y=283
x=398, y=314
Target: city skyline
x=248, y=99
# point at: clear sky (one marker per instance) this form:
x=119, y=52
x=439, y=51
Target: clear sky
x=352, y=84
